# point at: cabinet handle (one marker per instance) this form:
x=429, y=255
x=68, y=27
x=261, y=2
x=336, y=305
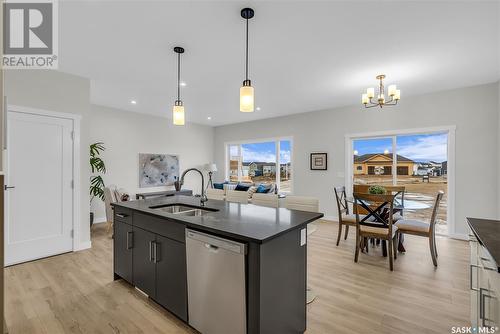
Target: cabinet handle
x=121, y=215
x=155, y=254
x=151, y=258
x=470, y=276
x=130, y=240
x=482, y=305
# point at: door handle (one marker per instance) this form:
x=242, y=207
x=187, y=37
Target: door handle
x=121, y=215
x=6, y=187
x=151, y=258
x=130, y=240
x=155, y=252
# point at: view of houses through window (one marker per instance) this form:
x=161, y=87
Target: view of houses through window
x=257, y=163
x=421, y=166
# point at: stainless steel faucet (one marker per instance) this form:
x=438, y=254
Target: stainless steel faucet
x=203, y=198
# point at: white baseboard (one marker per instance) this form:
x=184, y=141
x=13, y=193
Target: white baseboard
x=459, y=236
x=330, y=218
x=83, y=245
x=100, y=220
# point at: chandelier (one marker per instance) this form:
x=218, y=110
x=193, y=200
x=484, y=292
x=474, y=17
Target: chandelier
x=394, y=95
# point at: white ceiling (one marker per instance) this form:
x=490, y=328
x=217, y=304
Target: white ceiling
x=304, y=55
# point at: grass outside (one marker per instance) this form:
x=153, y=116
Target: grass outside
x=417, y=190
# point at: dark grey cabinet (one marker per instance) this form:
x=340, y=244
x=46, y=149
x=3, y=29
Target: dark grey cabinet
x=171, y=280
x=144, y=266
x=122, y=247
x=153, y=263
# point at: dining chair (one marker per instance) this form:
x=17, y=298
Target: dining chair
x=237, y=196
x=423, y=229
x=376, y=230
x=217, y=194
x=109, y=197
x=269, y=200
x=345, y=218
x=398, y=213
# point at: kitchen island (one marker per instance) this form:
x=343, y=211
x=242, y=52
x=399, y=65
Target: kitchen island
x=265, y=294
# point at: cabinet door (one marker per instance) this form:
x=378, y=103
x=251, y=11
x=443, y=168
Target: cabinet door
x=144, y=270
x=171, y=280
x=122, y=250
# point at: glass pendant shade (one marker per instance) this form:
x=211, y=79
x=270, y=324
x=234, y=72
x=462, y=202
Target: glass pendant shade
x=178, y=113
x=246, y=98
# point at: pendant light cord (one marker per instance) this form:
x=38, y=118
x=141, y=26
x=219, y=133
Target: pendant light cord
x=178, y=76
x=246, y=60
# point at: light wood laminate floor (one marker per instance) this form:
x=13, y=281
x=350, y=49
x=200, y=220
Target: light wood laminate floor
x=75, y=292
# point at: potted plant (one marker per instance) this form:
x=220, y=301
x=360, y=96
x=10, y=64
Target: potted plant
x=377, y=190
x=98, y=168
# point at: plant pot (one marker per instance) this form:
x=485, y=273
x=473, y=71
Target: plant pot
x=91, y=219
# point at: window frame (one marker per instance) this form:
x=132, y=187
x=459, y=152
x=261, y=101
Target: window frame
x=277, y=142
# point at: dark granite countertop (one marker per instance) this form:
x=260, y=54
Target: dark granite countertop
x=487, y=232
x=241, y=221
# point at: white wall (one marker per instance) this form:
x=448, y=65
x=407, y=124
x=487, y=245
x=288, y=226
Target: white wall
x=62, y=92
x=126, y=134
x=473, y=110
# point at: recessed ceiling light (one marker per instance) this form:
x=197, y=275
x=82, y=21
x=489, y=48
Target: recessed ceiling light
x=209, y=118
x=133, y=102
x=183, y=84
x=258, y=108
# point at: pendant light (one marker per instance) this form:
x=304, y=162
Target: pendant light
x=178, y=111
x=246, y=91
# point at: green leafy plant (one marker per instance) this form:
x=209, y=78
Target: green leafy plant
x=98, y=168
x=377, y=190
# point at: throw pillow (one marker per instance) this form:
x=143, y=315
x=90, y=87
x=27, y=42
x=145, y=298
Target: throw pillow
x=241, y=187
x=263, y=188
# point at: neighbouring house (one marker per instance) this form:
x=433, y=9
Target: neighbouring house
x=381, y=164
x=431, y=168
x=253, y=169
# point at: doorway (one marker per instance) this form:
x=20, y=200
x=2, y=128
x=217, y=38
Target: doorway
x=420, y=159
x=39, y=187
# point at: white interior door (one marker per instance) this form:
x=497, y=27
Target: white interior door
x=39, y=194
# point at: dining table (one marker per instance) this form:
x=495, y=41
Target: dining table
x=378, y=213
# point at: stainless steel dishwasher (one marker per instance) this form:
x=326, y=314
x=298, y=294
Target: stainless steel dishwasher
x=216, y=284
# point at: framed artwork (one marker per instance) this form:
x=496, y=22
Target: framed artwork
x=156, y=170
x=319, y=161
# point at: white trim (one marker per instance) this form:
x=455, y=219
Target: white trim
x=77, y=244
x=83, y=245
x=261, y=140
x=458, y=236
x=333, y=219
x=100, y=220
x=43, y=112
x=450, y=130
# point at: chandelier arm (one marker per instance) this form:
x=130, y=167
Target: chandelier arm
x=371, y=105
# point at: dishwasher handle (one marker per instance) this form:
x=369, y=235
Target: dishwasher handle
x=212, y=248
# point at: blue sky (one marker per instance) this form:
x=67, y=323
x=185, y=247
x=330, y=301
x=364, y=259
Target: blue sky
x=266, y=152
x=416, y=147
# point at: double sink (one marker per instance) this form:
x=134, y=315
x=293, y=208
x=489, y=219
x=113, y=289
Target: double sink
x=183, y=209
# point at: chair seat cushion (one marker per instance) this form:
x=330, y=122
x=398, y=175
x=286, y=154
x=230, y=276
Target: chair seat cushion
x=412, y=225
x=377, y=230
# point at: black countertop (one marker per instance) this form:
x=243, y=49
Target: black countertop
x=241, y=221
x=487, y=232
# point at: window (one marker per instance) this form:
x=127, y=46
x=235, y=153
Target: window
x=258, y=162
x=421, y=165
